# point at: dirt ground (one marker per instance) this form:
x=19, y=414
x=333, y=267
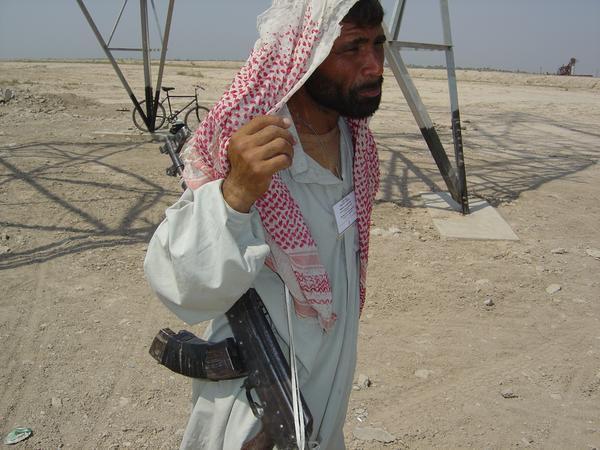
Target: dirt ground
x=81, y=192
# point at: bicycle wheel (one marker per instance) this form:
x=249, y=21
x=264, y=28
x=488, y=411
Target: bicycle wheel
x=139, y=122
x=194, y=116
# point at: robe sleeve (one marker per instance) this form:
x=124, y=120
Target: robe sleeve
x=204, y=255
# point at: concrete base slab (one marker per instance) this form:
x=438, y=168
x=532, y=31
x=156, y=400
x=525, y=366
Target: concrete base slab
x=484, y=222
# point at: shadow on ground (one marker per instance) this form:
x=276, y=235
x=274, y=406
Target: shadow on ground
x=71, y=197
x=506, y=155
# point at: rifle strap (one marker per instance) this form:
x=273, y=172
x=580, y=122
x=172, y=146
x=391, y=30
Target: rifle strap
x=296, y=395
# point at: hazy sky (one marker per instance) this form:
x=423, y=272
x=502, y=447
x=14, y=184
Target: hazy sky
x=530, y=35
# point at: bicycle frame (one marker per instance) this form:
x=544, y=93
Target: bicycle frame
x=177, y=112
x=190, y=112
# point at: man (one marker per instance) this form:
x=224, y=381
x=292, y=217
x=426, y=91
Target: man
x=283, y=174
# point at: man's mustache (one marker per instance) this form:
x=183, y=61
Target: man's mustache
x=369, y=85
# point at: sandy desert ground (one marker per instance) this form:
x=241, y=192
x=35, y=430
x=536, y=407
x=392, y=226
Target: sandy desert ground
x=81, y=192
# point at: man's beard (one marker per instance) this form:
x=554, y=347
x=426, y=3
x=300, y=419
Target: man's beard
x=330, y=94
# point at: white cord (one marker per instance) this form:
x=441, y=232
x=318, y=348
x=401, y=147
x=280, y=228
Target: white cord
x=298, y=413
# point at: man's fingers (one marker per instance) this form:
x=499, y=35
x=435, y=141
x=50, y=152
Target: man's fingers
x=276, y=163
x=260, y=122
x=275, y=148
x=271, y=133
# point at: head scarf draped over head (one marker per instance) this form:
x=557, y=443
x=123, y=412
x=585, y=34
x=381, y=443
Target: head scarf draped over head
x=295, y=37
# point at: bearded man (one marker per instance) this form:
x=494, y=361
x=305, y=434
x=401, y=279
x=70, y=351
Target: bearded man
x=281, y=179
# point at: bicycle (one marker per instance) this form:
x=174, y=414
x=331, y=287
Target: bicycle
x=193, y=116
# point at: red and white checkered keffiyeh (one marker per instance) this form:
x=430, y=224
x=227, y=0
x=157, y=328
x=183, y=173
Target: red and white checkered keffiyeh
x=295, y=37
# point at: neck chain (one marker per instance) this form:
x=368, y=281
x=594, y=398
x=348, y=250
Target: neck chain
x=308, y=125
x=336, y=171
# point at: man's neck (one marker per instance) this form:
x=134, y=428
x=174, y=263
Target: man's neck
x=308, y=114
x=312, y=119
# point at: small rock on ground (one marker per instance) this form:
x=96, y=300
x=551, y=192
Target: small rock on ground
x=8, y=95
x=527, y=441
x=377, y=232
x=508, y=393
x=553, y=288
x=593, y=252
x=363, y=381
x=394, y=230
x=373, y=434
x=558, y=251
x=423, y=373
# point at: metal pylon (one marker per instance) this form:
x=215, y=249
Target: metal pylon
x=455, y=177
x=151, y=99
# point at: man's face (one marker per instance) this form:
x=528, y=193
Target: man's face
x=349, y=80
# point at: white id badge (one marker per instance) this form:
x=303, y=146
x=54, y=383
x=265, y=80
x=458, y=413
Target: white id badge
x=345, y=212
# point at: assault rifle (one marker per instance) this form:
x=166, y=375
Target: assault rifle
x=253, y=352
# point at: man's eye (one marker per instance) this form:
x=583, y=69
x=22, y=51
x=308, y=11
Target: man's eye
x=351, y=50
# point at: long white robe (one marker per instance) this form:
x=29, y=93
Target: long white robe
x=205, y=255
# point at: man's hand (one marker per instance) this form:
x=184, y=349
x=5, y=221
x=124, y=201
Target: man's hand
x=256, y=151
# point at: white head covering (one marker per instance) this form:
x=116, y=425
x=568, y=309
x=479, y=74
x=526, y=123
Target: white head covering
x=283, y=13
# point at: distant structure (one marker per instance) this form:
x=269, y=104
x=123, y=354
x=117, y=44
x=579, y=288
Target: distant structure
x=567, y=69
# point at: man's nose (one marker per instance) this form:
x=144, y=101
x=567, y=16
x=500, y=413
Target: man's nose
x=373, y=63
